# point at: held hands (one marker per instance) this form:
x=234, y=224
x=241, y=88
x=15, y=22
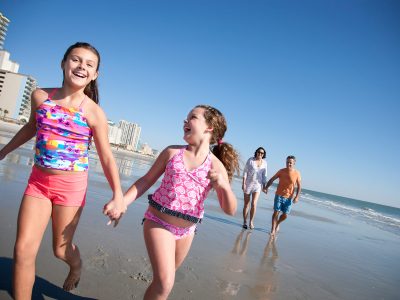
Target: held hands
x=264, y=189
x=114, y=210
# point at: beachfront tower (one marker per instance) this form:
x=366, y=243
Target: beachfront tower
x=3, y=29
x=130, y=134
x=15, y=95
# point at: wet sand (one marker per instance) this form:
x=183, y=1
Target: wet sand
x=317, y=254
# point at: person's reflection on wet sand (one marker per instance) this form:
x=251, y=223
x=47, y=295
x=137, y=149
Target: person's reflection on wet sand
x=267, y=273
x=232, y=278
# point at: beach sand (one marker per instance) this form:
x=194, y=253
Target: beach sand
x=317, y=255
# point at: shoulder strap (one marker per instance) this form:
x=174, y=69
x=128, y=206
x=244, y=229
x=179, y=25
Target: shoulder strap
x=83, y=102
x=51, y=94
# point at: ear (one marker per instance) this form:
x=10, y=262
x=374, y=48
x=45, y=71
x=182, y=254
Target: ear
x=95, y=75
x=209, y=129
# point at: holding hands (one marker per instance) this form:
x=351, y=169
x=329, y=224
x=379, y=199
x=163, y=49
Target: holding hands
x=114, y=210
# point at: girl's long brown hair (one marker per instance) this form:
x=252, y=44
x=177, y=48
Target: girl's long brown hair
x=221, y=149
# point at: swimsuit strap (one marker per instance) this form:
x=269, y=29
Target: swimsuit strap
x=51, y=94
x=83, y=102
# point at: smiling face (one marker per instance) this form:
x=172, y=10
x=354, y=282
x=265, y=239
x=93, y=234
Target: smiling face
x=195, y=127
x=290, y=162
x=80, y=67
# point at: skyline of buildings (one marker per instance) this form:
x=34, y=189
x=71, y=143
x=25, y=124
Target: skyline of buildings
x=16, y=90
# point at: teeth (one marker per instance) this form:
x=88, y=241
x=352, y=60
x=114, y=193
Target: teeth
x=79, y=75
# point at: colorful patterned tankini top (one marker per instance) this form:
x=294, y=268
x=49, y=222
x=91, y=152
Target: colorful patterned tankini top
x=62, y=137
x=184, y=191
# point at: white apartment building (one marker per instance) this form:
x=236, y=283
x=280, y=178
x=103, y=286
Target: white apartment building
x=3, y=29
x=6, y=63
x=114, y=133
x=15, y=89
x=130, y=134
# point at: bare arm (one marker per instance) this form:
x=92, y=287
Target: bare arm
x=246, y=167
x=98, y=123
x=298, y=190
x=28, y=131
x=145, y=182
x=269, y=183
x=220, y=182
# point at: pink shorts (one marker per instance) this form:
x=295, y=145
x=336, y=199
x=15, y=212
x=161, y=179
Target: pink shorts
x=65, y=190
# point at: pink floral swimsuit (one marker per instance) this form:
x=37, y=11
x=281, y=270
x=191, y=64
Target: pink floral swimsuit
x=183, y=191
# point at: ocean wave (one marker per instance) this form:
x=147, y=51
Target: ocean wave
x=370, y=215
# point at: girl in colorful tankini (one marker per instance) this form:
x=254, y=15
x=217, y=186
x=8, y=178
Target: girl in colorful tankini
x=254, y=177
x=175, y=208
x=64, y=121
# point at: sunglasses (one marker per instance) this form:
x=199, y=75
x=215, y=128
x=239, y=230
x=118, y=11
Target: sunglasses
x=260, y=152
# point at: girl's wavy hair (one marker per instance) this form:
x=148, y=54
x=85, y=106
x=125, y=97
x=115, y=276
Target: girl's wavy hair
x=91, y=90
x=222, y=150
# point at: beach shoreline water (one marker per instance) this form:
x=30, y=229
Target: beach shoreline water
x=322, y=252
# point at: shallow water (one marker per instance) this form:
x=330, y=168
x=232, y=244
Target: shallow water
x=324, y=250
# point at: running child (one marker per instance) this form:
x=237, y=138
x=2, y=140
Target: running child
x=64, y=121
x=177, y=205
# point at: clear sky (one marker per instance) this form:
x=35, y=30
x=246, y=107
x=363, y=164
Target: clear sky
x=316, y=79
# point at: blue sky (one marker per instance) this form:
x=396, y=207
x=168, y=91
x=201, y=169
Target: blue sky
x=316, y=79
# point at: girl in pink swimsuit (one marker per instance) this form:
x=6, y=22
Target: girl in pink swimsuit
x=176, y=207
x=64, y=120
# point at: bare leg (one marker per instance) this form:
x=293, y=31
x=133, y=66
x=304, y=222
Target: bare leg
x=182, y=249
x=34, y=214
x=253, y=208
x=246, y=208
x=165, y=255
x=274, y=222
x=65, y=221
x=281, y=219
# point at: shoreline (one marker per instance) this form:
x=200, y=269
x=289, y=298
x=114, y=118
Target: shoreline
x=319, y=253
x=12, y=128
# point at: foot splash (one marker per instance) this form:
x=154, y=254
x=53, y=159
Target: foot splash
x=72, y=280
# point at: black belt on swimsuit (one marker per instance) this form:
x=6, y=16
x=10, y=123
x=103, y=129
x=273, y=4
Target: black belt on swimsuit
x=172, y=212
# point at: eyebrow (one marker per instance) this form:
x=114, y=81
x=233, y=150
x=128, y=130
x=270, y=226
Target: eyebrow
x=80, y=57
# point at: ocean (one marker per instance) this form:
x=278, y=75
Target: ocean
x=330, y=247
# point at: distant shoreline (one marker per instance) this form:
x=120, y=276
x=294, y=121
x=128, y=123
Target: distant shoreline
x=13, y=128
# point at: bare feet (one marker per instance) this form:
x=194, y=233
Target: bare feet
x=251, y=226
x=72, y=280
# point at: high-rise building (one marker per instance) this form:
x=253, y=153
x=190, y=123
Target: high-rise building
x=15, y=88
x=3, y=29
x=114, y=133
x=15, y=93
x=6, y=63
x=130, y=134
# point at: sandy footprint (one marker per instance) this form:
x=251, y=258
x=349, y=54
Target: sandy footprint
x=99, y=261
